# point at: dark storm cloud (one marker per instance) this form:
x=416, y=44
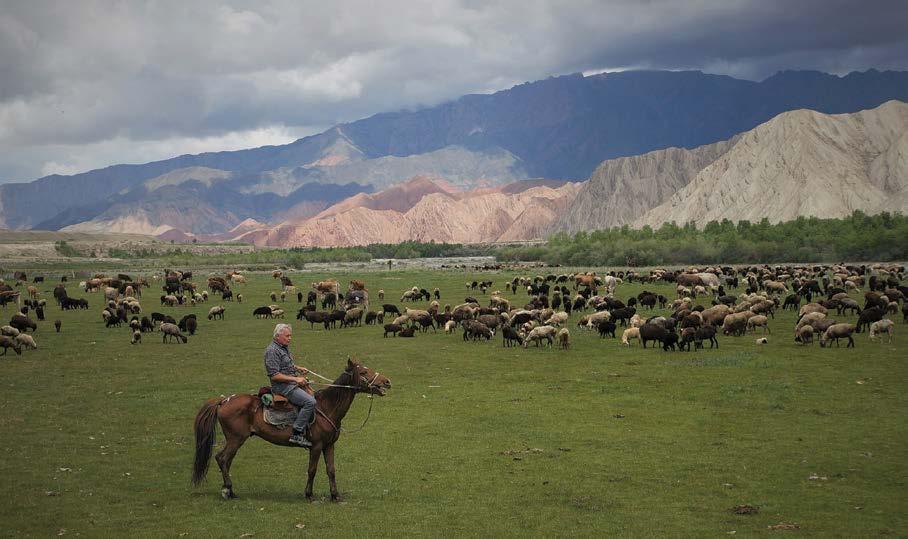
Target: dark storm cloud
x=84, y=84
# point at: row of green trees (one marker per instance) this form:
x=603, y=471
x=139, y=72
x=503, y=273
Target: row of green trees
x=857, y=237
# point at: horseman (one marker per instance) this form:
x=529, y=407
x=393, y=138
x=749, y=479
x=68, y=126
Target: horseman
x=289, y=380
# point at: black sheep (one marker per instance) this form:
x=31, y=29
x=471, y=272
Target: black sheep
x=145, y=325
x=623, y=315
x=315, y=317
x=705, y=333
x=606, y=327
x=183, y=322
x=653, y=332
x=407, y=332
x=262, y=312
x=869, y=316
x=57, y=325
x=510, y=336
x=23, y=323
x=394, y=329
x=334, y=317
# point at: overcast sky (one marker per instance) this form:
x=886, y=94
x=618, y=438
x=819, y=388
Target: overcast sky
x=85, y=84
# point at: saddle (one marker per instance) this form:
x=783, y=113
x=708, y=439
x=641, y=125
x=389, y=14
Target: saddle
x=278, y=411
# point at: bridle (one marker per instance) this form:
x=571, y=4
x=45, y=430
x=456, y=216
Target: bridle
x=368, y=387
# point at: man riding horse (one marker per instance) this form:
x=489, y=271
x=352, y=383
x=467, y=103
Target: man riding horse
x=288, y=380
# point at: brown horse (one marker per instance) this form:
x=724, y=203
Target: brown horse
x=241, y=416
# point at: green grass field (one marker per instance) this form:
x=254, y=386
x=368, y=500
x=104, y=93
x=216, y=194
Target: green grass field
x=472, y=440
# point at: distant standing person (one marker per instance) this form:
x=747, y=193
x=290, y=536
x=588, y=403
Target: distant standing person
x=389, y=264
x=288, y=380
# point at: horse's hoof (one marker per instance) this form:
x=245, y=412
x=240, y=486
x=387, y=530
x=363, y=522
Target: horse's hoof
x=228, y=494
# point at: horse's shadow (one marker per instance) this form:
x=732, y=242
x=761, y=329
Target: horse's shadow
x=275, y=495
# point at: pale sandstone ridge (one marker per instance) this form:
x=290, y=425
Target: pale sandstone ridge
x=621, y=190
x=801, y=163
x=399, y=198
x=477, y=216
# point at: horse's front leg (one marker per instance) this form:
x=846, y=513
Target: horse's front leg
x=329, y=468
x=314, y=454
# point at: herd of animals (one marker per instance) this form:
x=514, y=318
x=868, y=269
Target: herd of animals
x=708, y=302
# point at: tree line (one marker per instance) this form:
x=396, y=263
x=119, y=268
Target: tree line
x=806, y=239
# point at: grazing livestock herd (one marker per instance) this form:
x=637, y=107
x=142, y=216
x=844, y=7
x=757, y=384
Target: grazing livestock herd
x=708, y=303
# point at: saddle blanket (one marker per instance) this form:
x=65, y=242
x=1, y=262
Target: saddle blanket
x=279, y=418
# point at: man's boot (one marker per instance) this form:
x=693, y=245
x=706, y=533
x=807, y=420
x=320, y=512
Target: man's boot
x=299, y=438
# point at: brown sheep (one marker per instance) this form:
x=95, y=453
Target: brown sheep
x=8, y=342
x=804, y=335
x=758, y=321
x=836, y=332
x=564, y=338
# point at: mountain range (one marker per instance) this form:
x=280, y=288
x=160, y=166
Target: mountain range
x=800, y=163
x=610, y=128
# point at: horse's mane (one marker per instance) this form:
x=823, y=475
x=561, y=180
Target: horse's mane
x=345, y=379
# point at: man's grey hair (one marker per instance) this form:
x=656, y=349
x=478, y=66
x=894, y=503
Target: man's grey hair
x=278, y=329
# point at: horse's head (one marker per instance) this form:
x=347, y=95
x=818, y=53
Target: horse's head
x=367, y=380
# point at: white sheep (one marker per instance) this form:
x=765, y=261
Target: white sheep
x=9, y=331
x=170, y=331
x=597, y=318
x=450, y=326
x=26, y=341
x=557, y=319
x=630, y=333
x=882, y=326
x=539, y=333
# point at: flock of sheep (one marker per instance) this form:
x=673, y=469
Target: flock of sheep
x=705, y=307
x=551, y=303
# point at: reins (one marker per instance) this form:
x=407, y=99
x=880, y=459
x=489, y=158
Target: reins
x=370, y=396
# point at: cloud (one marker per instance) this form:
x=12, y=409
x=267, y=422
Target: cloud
x=78, y=79
x=74, y=158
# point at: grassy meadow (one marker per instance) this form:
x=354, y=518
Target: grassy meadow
x=473, y=439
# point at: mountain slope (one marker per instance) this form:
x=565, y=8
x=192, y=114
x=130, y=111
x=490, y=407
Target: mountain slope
x=801, y=163
x=481, y=215
x=621, y=190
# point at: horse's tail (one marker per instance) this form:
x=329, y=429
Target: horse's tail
x=205, y=423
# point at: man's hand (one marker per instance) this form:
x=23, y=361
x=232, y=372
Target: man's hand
x=302, y=370
x=302, y=381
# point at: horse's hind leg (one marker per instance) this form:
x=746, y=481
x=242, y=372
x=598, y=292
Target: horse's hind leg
x=314, y=454
x=225, y=459
x=329, y=469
